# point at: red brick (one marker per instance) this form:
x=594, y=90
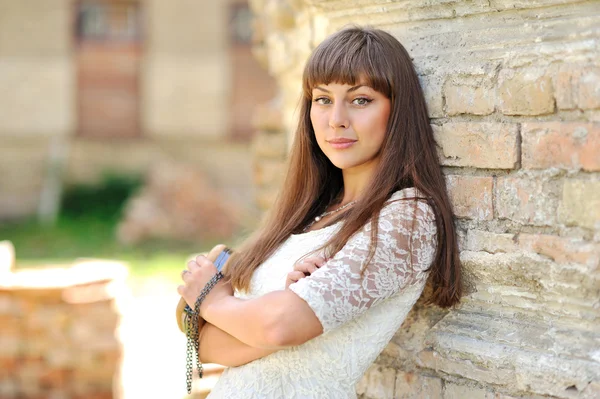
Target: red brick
x=527, y=200
x=561, y=144
x=561, y=249
x=471, y=196
x=480, y=145
x=54, y=378
x=525, y=92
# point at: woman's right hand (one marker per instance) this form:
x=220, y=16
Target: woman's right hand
x=304, y=268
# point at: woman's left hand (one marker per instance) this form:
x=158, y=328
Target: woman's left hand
x=199, y=271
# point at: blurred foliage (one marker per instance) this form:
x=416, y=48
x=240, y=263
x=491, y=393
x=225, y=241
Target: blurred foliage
x=104, y=199
x=94, y=237
x=86, y=228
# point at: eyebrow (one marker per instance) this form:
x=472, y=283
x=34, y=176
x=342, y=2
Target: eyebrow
x=353, y=88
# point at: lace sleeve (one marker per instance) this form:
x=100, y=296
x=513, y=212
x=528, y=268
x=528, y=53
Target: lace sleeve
x=337, y=293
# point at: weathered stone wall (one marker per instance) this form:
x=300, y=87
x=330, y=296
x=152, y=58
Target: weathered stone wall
x=513, y=90
x=59, y=331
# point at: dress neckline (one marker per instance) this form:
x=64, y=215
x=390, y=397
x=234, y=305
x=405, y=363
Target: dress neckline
x=307, y=233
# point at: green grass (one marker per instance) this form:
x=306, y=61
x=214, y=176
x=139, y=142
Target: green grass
x=94, y=237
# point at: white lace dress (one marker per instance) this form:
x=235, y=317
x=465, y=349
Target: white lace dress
x=359, y=315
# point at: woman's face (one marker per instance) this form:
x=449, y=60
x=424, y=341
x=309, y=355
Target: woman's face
x=350, y=123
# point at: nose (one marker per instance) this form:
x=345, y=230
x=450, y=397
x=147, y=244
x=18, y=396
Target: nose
x=338, y=118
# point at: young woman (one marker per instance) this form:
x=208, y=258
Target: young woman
x=362, y=221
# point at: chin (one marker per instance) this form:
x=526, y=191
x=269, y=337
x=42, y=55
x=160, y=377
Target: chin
x=344, y=164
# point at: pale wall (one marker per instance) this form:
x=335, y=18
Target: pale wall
x=36, y=69
x=185, y=73
x=513, y=90
x=184, y=99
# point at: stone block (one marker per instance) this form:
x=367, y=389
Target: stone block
x=454, y=391
x=268, y=117
x=432, y=91
x=580, y=204
x=268, y=173
x=471, y=196
x=417, y=386
x=577, y=86
x=527, y=200
x=565, y=145
x=548, y=374
x=480, y=145
x=561, y=249
x=269, y=145
x=481, y=240
x=515, y=354
x=378, y=382
x=526, y=280
x=589, y=89
x=473, y=95
x=525, y=92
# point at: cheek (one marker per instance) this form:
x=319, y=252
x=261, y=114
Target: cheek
x=316, y=119
x=383, y=119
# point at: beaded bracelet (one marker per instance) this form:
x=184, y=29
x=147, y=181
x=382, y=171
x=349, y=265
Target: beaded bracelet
x=193, y=315
x=192, y=331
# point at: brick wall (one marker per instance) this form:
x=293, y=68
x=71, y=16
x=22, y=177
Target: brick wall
x=513, y=90
x=58, y=331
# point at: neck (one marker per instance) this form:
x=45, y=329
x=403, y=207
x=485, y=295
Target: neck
x=356, y=181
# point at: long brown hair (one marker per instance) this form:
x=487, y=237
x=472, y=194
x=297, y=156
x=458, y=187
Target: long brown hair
x=408, y=158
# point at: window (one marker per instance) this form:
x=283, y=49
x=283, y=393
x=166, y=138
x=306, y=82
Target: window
x=108, y=21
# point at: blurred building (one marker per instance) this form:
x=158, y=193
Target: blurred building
x=91, y=86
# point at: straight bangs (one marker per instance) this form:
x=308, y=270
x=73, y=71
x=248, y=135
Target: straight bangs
x=351, y=58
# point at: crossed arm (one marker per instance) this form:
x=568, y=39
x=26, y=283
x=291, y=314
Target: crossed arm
x=217, y=346
x=238, y=331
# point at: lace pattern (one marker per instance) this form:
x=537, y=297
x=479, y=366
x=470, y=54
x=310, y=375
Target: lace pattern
x=359, y=315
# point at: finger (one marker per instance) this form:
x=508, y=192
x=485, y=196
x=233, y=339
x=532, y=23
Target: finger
x=184, y=272
x=305, y=267
x=295, y=276
x=193, y=265
x=317, y=260
x=203, y=261
x=214, y=253
x=301, y=266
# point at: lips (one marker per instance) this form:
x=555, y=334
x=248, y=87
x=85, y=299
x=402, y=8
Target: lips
x=341, y=143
